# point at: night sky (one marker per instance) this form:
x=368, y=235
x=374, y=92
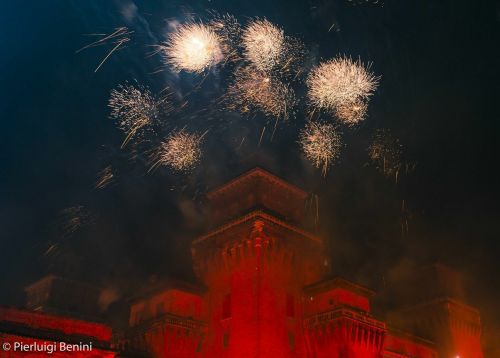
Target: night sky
x=438, y=94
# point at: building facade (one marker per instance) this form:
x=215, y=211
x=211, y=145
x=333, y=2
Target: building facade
x=265, y=290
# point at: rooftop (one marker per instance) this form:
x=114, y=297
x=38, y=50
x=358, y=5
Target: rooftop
x=254, y=190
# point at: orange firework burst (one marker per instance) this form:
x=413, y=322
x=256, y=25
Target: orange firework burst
x=193, y=48
x=255, y=90
x=341, y=85
x=181, y=151
x=263, y=44
x=321, y=144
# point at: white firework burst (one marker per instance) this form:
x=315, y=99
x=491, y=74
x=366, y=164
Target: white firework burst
x=340, y=82
x=263, y=44
x=133, y=108
x=193, y=47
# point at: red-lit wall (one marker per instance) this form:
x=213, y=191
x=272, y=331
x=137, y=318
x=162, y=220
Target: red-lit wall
x=261, y=273
x=29, y=327
x=267, y=296
x=401, y=346
x=173, y=301
x=336, y=297
x=258, y=286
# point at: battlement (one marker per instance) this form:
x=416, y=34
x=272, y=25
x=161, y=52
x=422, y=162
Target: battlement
x=336, y=292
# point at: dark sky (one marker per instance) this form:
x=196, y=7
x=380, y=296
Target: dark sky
x=438, y=95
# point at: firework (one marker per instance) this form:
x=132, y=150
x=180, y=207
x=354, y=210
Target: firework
x=73, y=219
x=263, y=44
x=255, y=90
x=181, y=151
x=351, y=113
x=385, y=152
x=133, y=108
x=340, y=82
x=193, y=48
x=321, y=144
x=72, y=225
x=229, y=31
x=105, y=177
x=118, y=37
x=293, y=58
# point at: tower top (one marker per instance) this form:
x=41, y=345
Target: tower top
x=257, y=189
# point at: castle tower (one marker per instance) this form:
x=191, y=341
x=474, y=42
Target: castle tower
x=255, y=263
x=338, y=322
x=266, y=293
x=435, y=311
x=167, y=322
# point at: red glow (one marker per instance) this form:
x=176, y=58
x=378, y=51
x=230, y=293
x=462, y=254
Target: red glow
x=27, y=327
x=66, y=326
x=267, y=293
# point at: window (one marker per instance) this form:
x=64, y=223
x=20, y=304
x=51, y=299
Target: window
x=226, y=306
x=225, y=339
x=291, y=340
x=290, y=306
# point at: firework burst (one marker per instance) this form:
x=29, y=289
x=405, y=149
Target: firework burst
x=193, y=48
x=254, y=90
x=321, y=144
x=263, y=44
x=351, y=113
x=339, y=84
x=181, y=151
x=134, y=108
x=385, y=152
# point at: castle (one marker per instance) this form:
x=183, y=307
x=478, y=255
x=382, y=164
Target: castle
x=265, y=290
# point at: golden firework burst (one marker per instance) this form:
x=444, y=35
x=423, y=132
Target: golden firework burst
x=181, y=151
x=256, y=90
x=321, y=144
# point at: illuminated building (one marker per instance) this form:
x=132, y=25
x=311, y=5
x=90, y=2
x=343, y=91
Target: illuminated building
x=268, y=293
x=265, y=290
